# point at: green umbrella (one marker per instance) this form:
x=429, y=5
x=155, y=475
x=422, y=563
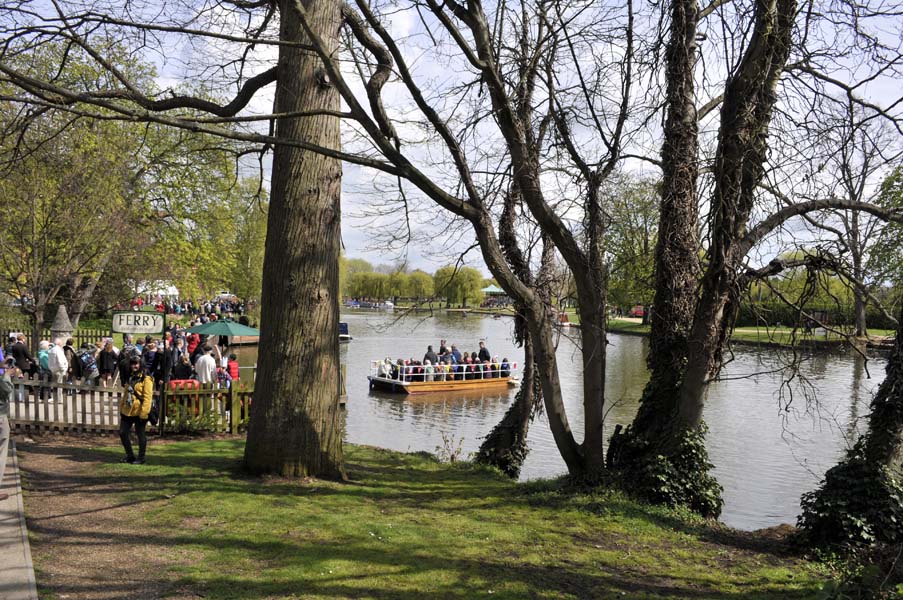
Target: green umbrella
x=230, y=328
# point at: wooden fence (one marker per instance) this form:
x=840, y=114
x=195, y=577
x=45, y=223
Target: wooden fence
x=39, y=405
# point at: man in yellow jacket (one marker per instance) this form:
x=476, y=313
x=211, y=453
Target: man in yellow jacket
x=135, y=407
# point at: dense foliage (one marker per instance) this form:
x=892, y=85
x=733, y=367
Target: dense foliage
x=680, y=477
x=859, y=503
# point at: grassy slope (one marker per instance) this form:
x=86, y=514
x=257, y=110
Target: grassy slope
x=409, y=527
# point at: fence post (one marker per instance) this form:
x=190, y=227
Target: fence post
x=161, y=410
x=233, y=409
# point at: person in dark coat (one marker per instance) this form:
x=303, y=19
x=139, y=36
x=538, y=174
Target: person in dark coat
x=107, y=360
x=431, y=356
x=484, y=353
x=75, y=364
x=25, y=362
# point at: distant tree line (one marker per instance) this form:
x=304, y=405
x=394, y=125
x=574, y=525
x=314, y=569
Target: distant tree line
x=459, y=286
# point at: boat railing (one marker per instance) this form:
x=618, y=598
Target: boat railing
x=378, y=368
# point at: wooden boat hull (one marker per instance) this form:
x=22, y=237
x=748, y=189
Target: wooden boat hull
x=426, y=387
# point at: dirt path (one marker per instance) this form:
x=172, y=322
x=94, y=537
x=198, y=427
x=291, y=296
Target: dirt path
x=81, y=543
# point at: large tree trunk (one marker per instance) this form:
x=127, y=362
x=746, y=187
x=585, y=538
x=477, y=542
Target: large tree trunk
x=859, y=300
x=296, y=426
x=592, y=338
x=592, y=296
x=658, y=457
x=669, y=425
x=677, y=247
x=506, y=445
x=676, y=258
x=739, y=165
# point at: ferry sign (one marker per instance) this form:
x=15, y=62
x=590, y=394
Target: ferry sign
x=138, y=322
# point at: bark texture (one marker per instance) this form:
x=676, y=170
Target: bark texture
x=667, y=437
x=676, y=258
x=506, y=445
x=749, y=100
x=296, y=427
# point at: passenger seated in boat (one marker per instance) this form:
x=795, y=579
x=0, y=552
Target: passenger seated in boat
x=506, y=368
x=385, y=368
x=398, y=370
x=439, y=371
x=488, y=371
x=468, y=369
x=444, y=370
x=478, y=369
x=428, y=370
x=416, y=371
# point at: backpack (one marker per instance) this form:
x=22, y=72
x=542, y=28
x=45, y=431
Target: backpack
x=89, y=365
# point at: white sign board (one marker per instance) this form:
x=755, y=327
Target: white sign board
x=138, y=322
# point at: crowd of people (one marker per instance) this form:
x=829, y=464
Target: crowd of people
x=448, y=364
x=138, y=367
x=177, y=356
x=230, y=306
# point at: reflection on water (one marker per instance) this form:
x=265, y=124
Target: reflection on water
x=769, y=439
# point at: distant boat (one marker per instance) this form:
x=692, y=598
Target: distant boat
x=344, y=336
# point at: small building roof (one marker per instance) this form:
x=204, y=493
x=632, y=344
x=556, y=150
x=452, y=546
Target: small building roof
x=492, y=289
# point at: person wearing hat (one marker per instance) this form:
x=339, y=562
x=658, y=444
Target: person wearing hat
x=135, y=408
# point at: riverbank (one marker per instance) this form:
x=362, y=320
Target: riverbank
x=405, y=526
x=770, y=337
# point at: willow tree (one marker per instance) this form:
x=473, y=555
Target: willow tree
x=295, y=427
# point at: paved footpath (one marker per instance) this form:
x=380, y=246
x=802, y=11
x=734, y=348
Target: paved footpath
x=16, y=571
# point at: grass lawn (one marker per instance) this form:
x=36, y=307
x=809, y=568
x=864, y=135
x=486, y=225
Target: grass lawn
x=405, y=527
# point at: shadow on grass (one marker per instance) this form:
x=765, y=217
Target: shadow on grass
x=279, y=565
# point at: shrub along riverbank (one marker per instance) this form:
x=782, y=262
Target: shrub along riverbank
x=405, y=526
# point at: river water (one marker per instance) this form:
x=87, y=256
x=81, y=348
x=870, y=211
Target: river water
x=769, y=438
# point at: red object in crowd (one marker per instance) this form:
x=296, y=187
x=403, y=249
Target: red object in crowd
x=233, y=370
x=193, y=340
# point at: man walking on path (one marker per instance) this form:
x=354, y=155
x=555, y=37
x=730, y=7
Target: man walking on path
x=6, y=394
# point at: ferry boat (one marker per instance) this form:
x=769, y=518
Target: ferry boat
x=379, y=379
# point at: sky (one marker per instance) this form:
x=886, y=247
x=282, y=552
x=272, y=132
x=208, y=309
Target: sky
x=436, y=241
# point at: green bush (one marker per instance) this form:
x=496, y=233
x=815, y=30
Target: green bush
x=752, y=314
x=858, y=504
x=682, y=478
